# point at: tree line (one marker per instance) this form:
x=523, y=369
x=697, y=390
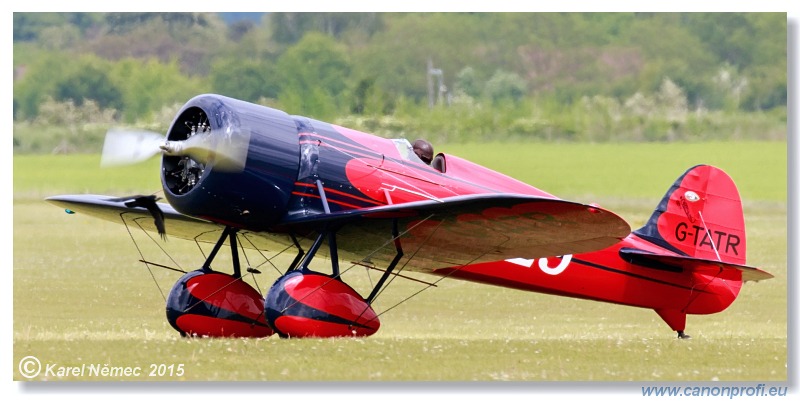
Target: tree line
x=452, y=76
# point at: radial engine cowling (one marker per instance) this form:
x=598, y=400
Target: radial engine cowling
x=244, y=173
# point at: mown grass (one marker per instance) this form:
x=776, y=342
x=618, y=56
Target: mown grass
x=81, y=297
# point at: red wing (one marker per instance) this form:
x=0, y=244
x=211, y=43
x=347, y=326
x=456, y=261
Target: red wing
x=469, y=229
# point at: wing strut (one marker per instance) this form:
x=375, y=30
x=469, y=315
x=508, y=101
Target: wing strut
x=311, y=252
x=330, y=235
x=392, y=265
x=300, y=253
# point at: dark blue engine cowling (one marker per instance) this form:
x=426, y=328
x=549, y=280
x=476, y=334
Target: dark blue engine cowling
x=256, y=196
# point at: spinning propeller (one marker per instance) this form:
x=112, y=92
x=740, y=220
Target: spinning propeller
x=193, y=148
x=226, y=152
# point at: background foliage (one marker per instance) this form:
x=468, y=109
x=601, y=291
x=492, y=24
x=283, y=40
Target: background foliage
x=595, y=77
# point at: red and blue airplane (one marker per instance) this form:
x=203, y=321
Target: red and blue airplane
x=248, y=176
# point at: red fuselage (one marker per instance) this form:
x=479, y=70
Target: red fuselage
x=605, y=276
x=381, y=175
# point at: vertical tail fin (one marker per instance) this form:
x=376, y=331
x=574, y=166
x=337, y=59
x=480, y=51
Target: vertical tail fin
x=700, y=216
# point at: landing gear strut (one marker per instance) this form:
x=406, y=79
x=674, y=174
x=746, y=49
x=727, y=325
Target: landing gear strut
x=305, y=303
x=230, y=233
x=302, y=260
x=209, y=303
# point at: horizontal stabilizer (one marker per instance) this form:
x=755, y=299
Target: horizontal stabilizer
x=685, y=263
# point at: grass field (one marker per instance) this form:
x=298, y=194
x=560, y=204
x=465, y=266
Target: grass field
x=81, y=297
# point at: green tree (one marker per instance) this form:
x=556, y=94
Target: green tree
x=289, y=28
x=504, y=85
x=671, y=51
x=331, y=64
x=249, y=80
x=398, y=57
x=147, y=86
x=59, y=77
x=368, y=99
x=89, y=83
x=314, y=73
x=129, y=21
x=28, y=26
x=467, y=81
x=766, y=88
x=34, y=81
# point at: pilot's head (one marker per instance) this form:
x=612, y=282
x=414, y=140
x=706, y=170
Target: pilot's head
x=424, y=151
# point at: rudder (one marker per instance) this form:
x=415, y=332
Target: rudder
x=700, y=216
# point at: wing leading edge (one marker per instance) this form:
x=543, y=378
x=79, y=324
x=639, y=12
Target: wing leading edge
x=114, y=209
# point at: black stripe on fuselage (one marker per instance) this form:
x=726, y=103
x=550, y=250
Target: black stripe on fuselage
x=629, y=274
